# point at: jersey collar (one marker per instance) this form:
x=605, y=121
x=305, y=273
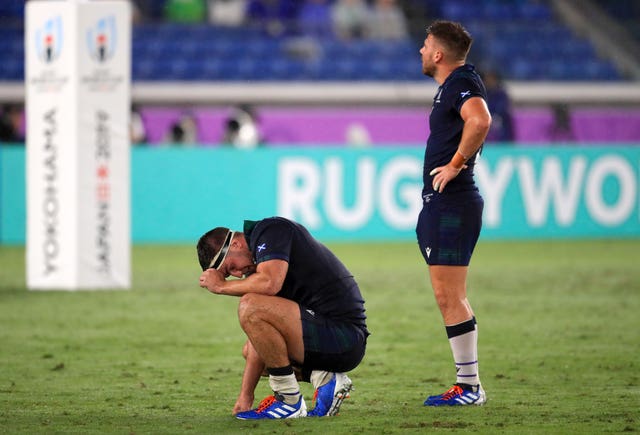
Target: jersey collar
x=248, y=227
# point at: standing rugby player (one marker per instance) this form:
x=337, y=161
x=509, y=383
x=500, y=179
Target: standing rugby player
x=449, y=223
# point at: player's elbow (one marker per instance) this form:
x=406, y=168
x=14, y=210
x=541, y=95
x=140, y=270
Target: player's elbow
x=271, y=290
x=268, y=286
x=482, y=124
x=479, y=125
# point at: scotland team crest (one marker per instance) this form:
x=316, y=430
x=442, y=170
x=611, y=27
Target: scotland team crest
x=49, y=40
x=101, y=39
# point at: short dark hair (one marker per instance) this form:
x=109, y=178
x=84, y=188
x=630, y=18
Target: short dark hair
x=453, y=36
x=209, y=245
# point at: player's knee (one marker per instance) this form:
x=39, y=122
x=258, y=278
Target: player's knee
x=443, y=300
x=245, y=350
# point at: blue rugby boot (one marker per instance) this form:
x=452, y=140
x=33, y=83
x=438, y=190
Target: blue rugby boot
x=458, y=396
x=329, y=397
x=273, y=407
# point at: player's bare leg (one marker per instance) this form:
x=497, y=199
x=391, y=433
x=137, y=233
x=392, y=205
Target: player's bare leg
x=274, y=329
x=450, y=290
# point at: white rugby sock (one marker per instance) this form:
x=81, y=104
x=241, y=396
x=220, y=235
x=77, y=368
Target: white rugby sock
x=463, y=339
x=286, y=386
x=319, y=378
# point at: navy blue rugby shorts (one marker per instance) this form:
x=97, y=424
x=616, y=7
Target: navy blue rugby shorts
x=329, y=344
x=449, y=226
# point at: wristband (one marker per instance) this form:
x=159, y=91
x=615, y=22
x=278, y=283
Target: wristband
x=458, y=160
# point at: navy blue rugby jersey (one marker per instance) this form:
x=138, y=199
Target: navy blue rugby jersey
x=316, y=279
x=446, y=126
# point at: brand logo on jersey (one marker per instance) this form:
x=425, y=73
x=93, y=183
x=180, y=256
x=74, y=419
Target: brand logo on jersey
x=437, y=99
x=428, y=251
x=465, y=94
x=313, y=313
x=262, y=247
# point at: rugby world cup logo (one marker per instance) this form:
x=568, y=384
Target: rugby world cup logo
x=101, y=39
x=49, y=40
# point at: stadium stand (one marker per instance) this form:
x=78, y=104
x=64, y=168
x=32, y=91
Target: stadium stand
x=626, y=13
x=518, y=36
x=523, y=38
x=528, y=41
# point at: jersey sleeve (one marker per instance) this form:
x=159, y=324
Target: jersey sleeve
x=463, y=89
x=272, y=241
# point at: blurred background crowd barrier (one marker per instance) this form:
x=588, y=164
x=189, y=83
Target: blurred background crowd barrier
x=394, y=126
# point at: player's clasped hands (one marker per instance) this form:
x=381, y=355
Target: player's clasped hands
x=210, y=279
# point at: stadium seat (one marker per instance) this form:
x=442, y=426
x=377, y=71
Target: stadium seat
x=522, y=37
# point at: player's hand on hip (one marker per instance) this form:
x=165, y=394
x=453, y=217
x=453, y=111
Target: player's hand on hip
x=442, y=175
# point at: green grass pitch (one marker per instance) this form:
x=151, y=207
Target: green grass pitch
x=559, y=330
